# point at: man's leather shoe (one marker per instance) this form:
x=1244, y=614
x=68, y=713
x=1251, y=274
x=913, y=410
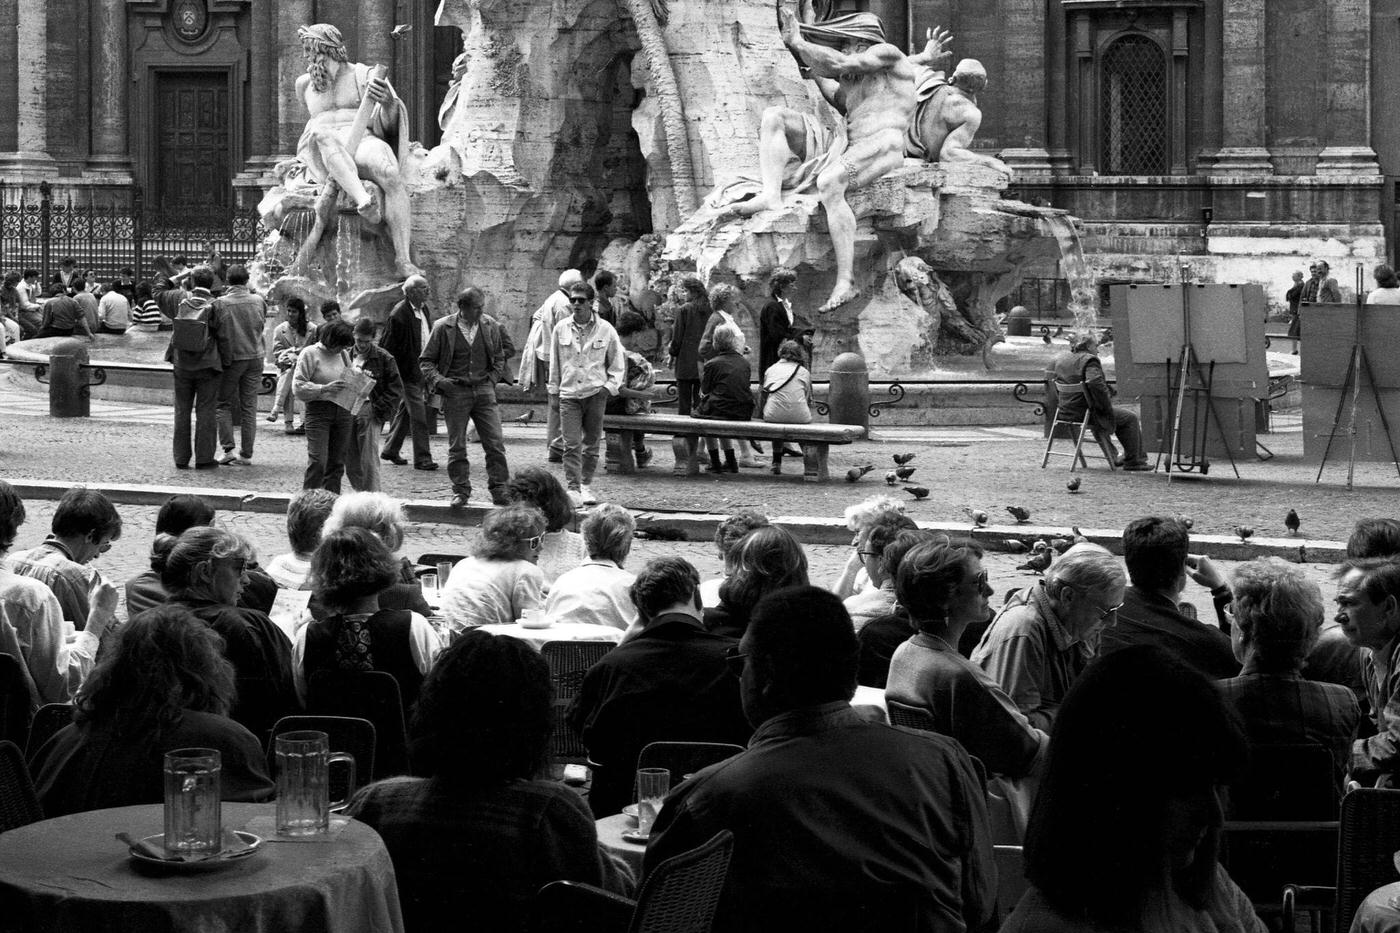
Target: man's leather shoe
x=394, y=459
x=426, y=465
x=500, y=498
x=459, y=501
x=1137, y=468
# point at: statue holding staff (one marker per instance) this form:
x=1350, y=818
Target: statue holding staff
x=346, y=141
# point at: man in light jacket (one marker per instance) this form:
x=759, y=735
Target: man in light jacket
x=242, y=316
x=586, y=367
x=534, y=361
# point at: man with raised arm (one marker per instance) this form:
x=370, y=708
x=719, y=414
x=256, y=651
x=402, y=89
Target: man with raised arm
x=333, y=87
x=868, y=80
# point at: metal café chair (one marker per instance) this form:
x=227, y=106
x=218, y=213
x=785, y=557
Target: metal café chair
x=19, y=804
x=50, y=718
x=371, y=695
x=680, y=894
x=1370, y=835
x=568, y=661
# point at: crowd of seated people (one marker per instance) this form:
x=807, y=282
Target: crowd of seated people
x=1094, y=690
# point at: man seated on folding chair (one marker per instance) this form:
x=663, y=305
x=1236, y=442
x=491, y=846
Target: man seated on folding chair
x=1079, y=365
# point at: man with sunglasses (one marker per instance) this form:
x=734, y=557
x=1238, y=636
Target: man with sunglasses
x=587, y=366
x=838, y=822
x=1048, y=633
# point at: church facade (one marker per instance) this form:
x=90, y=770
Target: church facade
x=1198, y=140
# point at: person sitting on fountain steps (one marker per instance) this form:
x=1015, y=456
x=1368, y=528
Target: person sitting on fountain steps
x=1079, y=365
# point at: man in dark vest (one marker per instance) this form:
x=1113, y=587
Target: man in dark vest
x=463, y=360
x=1080, y=366
x=405, y=332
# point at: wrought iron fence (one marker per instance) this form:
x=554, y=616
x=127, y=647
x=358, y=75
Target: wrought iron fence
x=107, y=229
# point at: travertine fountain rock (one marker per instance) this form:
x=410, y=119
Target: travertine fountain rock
x=589, y=127
x=559, y=143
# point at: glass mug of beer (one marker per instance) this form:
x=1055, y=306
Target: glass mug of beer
x=303, y=782
x=192, y=808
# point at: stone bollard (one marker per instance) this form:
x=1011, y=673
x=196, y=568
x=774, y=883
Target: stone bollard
x=69, y=396
x=848, y=391
x=1018, y=322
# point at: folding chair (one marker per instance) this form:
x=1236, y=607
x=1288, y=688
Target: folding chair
x=371, y=695
x=568, y=662
x=19, y=805
x=349, y=734
x=1076, y=427
x=50, y=718
x=682, y=893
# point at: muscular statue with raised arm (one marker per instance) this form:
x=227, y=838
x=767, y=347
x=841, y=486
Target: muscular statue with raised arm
x=869, y=81
x=333, y=88
x=947, y=115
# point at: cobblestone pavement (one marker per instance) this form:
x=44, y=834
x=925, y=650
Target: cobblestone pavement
x=963, y=467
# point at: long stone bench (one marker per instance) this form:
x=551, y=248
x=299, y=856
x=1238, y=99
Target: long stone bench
x=686, y=433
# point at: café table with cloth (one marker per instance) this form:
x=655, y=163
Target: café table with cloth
x=558, y=631
x=72, y=874
x=610, y=830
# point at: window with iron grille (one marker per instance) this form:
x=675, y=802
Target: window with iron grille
x=1133, y=108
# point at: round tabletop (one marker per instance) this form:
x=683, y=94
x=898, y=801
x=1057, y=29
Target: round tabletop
x=610, y=830
x=71, y=874
x=557, y=631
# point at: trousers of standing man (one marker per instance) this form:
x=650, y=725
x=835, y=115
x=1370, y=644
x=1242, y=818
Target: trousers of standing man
x=196, y=392
x=411, y=418
x=462, y=407
x=328, y=428
x=582, y=422
x=238, y=395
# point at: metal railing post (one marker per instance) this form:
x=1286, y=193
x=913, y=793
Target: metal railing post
x=45, y=229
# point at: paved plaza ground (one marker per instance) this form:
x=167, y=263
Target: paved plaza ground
x=963, y=467
x=969, y=467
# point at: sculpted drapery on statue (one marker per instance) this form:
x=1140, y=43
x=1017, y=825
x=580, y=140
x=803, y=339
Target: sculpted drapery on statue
x=341, y=150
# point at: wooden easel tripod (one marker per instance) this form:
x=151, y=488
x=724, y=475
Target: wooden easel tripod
x=1200, y=392
x=1351, y=386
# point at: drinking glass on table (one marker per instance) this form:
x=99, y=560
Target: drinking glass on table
x=444, y=570
x=303, y=782
x=652, y=785
x=429, y=584
x=192, y=808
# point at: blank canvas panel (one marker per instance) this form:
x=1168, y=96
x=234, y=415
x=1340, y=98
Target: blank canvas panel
x=1227, y=327
x=1329, y=333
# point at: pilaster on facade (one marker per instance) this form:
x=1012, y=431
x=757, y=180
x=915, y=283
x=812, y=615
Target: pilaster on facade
x=1348, y=160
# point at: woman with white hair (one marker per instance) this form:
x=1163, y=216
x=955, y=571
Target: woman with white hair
x=724, y=392
x=384, y=517
x=1048, y=633
x=859, y=518
x=598, y=592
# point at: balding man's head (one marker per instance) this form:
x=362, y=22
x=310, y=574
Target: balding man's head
x=569, y=278
x=970, y=75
